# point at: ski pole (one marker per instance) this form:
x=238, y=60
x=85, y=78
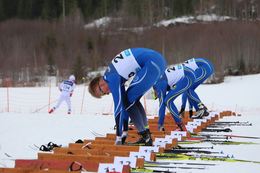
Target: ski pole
x=38, y=109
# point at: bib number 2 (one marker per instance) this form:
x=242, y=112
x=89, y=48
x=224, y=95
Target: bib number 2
x=125, y=64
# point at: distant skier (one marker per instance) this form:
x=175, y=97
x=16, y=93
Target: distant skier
x=146, y=66
x=203, y=70
x=176, y=80
x=66, y=88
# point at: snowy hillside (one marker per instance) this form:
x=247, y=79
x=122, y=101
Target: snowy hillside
x=20, y=129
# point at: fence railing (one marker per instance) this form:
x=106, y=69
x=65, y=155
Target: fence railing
x=41, y=99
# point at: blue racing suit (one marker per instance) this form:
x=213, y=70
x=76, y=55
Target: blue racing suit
x=203, y=70
x=175, y=81
x=147, y=66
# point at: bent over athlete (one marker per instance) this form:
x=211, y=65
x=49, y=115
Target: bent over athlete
x=175, y=81
x=146, y=66
x=203, y=70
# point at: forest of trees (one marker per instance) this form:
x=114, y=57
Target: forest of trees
x=47, y=37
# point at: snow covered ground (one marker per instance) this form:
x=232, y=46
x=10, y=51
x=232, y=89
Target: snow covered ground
x=28, y=122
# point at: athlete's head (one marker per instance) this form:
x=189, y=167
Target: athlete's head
x=72, y=78
x=98, y=87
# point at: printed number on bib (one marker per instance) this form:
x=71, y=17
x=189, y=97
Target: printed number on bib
x=173, y=68
x=118, y=58
x=125, y=64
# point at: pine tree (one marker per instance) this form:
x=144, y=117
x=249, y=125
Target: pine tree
x=87, y=7
x=70, y=6
x=50, y=45
x=24, y=9
x=10, y=8
x=78, y=70
x=182, y=7
x=2, y=14
x=242, y=66
x=51, y=66
x=51, y=9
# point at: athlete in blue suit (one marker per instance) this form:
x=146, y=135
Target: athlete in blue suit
x=203, y=70
x=175, y=81
x=147, y=66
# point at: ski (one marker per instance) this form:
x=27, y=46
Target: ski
x=8, y=155
x=178, y=163
x=184, y=156
x=227, y=142
x=228, y=125
x=181, y=147
x=201, y=137
x=142, y=170
x=178, y=151
x=228, y=136
x=33, y=148
x=97, y=134
x=217, y=139
x=36, y=146
x=218, y=142
x=199, y=155
x=204, y=157
x=239, y=136
x=164, y=169
x=217, y=130
x=176, y=167
x=233, y=123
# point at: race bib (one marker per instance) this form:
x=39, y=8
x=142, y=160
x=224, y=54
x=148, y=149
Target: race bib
x=67, y=86
x=125, y=64
x=191, y=63
x=174, y=74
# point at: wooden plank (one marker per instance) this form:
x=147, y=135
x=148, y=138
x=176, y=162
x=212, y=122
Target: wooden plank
x=155, y=122
x=90, y=152
x=168, y=128
x=79, y=158
x=29, y=170
x=105, y=152
x=14, y=170
x=56, y=164
x=116, y=147
x=102, y=147
x=82, y=158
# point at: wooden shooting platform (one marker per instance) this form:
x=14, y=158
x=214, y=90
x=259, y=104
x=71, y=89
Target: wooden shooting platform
x=102, y=155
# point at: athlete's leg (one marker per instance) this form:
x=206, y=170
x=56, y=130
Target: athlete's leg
x=137, y=117
x=142, y=82
x=204, y=71
x=190, y=108
x=184, y=99
x=61, y=99
x=194, y=99
x=67, y=100
x=179, y=88
x=143, y=113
